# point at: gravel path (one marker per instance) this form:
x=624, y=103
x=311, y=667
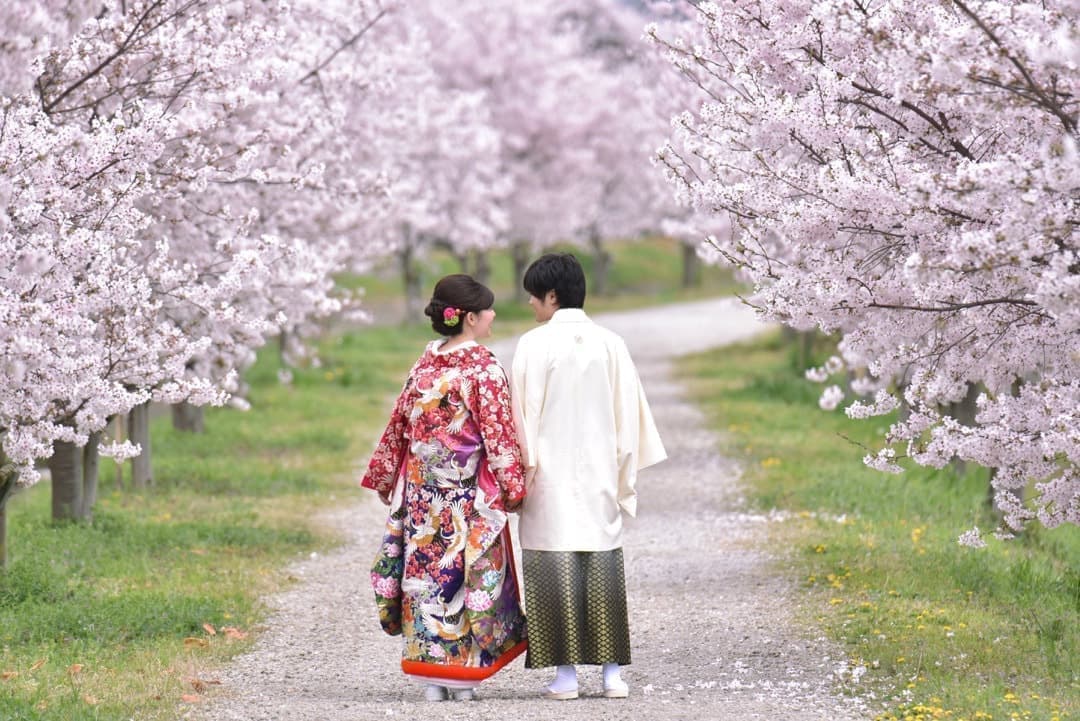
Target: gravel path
x=710, y=611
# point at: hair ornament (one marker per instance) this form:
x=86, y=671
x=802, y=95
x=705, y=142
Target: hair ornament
x=451, y=316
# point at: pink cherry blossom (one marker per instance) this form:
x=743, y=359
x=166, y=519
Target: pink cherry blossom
x=906, y=179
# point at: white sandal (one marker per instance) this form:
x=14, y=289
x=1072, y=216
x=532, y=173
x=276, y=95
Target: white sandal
x=616, y=689
x=552, y=695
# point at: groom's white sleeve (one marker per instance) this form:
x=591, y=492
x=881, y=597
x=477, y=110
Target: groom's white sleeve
x=525, y=422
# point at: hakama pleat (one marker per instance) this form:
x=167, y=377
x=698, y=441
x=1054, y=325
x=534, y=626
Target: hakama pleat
x=575, y=602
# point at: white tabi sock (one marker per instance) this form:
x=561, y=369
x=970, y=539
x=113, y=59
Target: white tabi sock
x=565, y=679
x=614, y=686
x=611, y=675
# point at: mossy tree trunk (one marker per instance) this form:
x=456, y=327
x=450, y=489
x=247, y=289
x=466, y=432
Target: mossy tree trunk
x=119, y=434
x=691, y=266
x=964, y=412
x=601, y=263
x=91, y=460
x=991, y=500
x=519, y=253
x=3, y=534
x=481, y=267
x=410, y=276
x=461, y=257
x=74, y=471
x=66, y=470
x=188, y=418
x=801, y=343
x=139, y=432
x=471, y=262
x=7, y=488
x=283, y=348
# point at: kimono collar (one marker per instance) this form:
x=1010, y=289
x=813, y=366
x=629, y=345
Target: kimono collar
x=569, y=315
x=436, y=347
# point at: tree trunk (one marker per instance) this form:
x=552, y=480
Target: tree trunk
x=7, y=488
x=119, y=435
x=481, y=267
x=691, y=267
x=139, y=432
x=91, y=466
x=66, y=469
x=601, y=264
x=991, y=501
x=3, y=536
x=410, y=274
x=461, y=256
x=189, y=418
x=801, y=343
x=462, y=259
x=806, y=347
x=283, y=348
x=964, y=412
x=519, y=253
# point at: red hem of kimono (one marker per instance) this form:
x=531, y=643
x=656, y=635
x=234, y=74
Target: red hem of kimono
x=463, y=673
x=472, y=673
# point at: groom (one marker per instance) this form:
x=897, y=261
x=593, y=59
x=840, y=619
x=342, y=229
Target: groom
x=585, y=430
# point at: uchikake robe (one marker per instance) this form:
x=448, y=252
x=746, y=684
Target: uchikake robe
x=449, y=454
x=585, y=430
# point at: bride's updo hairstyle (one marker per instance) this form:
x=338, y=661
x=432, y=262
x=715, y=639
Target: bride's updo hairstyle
x=453, y=297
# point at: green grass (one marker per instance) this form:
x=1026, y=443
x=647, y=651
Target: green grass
x=109, y=620
x=643, y=271
x=93, y=618
x=943, y=631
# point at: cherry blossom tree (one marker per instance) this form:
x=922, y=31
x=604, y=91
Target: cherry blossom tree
x=542, y=100
x=906, y=175
x=123, y=286
x=640, y=92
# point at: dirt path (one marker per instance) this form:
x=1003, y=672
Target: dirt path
x=710, y=611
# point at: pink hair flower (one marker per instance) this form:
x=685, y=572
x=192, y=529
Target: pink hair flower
x=451, y=317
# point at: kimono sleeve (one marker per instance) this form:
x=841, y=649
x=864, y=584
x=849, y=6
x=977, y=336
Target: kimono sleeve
x=385, y=464
x=490, y=404
x=638, y=442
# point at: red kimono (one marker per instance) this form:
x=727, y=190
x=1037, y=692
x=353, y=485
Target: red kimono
x=444, y=575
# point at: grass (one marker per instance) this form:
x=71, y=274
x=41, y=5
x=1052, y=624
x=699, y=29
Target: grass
x=130, y=616
x=642, y=271
x=936, y=630
x=112, y=620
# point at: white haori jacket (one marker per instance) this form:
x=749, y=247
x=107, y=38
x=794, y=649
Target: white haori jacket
x=585, y=430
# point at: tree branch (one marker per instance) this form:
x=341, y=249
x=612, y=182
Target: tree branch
x=120, y=50
x=952, y=307
x=351, y=41
x=1037, y=90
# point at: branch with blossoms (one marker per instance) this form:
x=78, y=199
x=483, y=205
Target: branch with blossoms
x=906, y=179
x=142, y=27
x=1053, y=101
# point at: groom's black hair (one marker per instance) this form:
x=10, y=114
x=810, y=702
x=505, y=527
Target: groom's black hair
x=560, y=272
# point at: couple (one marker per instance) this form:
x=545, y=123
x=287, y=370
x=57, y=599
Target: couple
x=560, y=444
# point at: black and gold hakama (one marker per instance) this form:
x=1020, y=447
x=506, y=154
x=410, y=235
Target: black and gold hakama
x=575, y=605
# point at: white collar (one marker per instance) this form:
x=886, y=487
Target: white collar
x=436, y=346
x=569, y=315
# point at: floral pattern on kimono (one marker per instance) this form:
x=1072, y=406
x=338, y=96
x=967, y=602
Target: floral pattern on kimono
x=451, y=442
